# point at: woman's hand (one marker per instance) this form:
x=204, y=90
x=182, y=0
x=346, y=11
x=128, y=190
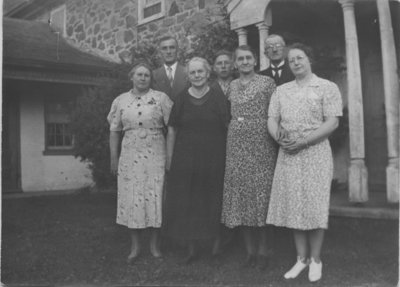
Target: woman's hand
x=114, y=166
x=292, y=147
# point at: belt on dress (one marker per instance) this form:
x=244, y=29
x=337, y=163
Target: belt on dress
x=144, y=132
x=242, y=119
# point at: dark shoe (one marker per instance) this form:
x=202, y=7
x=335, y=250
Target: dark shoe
x=262, y=262
x=250, y=261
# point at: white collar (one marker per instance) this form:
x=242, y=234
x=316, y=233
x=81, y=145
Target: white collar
x=279, y=65
x=173, y=67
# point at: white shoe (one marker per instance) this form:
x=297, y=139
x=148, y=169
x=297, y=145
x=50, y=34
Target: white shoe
x=296, y=269
x=315, y=271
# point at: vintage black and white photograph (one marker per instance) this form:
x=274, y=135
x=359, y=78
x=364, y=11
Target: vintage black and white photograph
x=200, y=143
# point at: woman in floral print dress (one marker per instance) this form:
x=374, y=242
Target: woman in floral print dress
x=251, y=156
x=302, y=114
x=140, y=116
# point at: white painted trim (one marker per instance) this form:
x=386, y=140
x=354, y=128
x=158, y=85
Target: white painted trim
x=142, y=20
x=62, y=8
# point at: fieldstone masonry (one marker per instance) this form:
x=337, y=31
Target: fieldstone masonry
x=110, y=29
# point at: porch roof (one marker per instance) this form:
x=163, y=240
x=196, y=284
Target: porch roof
x=32, y=50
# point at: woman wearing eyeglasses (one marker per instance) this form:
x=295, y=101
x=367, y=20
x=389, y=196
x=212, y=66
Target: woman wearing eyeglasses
x=302, y=115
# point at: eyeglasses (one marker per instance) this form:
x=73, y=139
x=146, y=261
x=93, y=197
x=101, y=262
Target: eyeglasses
x=276, y=46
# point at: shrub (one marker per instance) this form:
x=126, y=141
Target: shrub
x=91, y=129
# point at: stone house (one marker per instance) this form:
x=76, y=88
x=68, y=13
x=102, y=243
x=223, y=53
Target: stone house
x=357, y=41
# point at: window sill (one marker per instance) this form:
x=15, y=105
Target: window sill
x=59, y=152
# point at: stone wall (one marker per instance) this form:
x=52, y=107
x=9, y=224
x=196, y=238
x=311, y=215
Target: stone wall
x=110, y=29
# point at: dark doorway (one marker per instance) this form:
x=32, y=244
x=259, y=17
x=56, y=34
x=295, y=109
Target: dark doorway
x=10, y=165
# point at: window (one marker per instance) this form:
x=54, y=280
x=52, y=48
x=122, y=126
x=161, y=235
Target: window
x=150, y=10
x=57, y=124
x=57, y=19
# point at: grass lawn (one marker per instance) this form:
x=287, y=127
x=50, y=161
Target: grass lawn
x=73, y=240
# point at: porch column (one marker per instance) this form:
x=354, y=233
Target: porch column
x=358, y=174
x=263, y=29
x=242, y=34
x=392, y=92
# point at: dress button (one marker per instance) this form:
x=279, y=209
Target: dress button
x=138, y=105
x=140, y=124
x=140, y=113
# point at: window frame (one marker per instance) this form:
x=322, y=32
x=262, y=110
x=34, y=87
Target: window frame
x=54, y=150
x=142, y=6
x=62, y=8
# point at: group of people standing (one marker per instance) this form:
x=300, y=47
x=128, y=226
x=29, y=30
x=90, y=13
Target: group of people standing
x=195, y=158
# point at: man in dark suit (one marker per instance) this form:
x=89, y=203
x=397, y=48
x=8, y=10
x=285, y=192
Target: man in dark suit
x=171, y=77
x=279, y=68
x=222, y=67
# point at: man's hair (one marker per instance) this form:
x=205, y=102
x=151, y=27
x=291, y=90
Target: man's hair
x=166, y=38
x=223, y=52
x=276, y=36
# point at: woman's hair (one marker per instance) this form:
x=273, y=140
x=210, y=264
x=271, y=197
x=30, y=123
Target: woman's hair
x=138, y=65
x=201, y=60
x=245, y=48
x=306, y=49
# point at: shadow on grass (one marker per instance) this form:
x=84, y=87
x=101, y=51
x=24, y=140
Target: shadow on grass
x=73, y=239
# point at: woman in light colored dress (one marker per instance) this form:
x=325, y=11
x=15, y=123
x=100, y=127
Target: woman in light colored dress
x=302, y=114
x=138, y=117
x=251, y=156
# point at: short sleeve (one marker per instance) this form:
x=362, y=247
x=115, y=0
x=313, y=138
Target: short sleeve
x=114, y=116
x=332, y=101
x=274, y=109
x=166, y=106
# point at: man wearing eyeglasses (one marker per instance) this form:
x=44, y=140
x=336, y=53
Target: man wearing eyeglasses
x=279, y=69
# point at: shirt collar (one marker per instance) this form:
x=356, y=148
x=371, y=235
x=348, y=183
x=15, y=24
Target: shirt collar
x=279, y=65
x=173, y=67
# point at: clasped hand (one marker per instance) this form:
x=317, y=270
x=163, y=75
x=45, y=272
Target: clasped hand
x=288, y=145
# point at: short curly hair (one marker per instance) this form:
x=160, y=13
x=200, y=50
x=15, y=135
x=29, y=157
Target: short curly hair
x=138, y=65
x=306, y=49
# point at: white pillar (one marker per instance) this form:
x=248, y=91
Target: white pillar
x=392, y=92
x=358, y=174
x=263, y=29
x=242, y=34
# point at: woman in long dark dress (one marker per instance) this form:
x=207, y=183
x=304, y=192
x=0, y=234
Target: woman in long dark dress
x=196, y=156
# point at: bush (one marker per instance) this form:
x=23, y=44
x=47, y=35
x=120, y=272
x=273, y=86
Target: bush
x=91, y=129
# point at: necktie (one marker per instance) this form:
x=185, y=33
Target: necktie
x=275, y=73
x=169, y=75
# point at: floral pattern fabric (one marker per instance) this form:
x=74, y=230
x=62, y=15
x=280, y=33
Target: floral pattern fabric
x=301, y=186
x=141, y=166
x=251, y=154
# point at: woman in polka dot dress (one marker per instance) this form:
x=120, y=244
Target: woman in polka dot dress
x=140, y=115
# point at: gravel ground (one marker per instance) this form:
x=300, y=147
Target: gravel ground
x=72, y=240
